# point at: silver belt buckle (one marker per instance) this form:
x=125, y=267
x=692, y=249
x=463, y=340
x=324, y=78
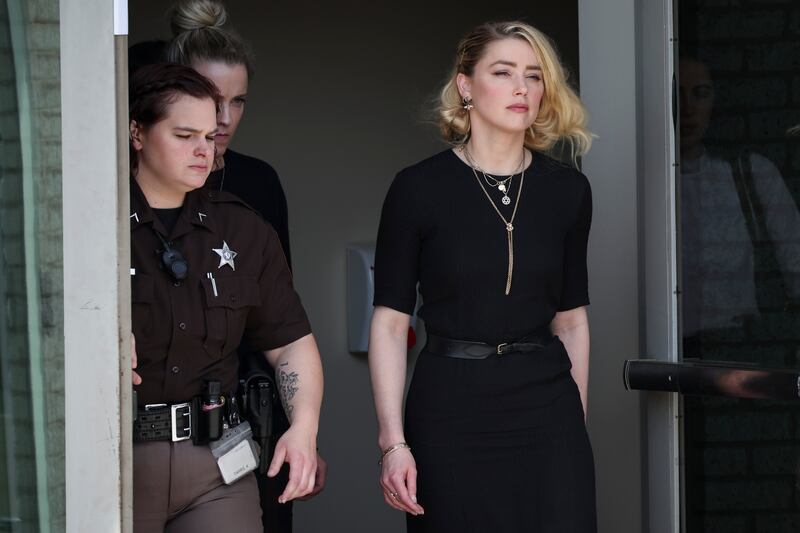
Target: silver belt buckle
x=500, y=348
x=183, y=413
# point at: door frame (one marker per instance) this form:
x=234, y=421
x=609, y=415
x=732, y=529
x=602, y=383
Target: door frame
x=658, y=163
x=97, y=373
x=626, y=57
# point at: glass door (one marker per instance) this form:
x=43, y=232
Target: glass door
x=32, y=483
x=738, y=186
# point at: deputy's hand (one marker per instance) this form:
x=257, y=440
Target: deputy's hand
x=137, y=379
x=298, y=447
x=319, y=478
x=399, y=481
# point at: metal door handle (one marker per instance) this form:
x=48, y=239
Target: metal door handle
x=707, y=378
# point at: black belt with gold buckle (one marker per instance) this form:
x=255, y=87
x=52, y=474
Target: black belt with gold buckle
x=458, y=349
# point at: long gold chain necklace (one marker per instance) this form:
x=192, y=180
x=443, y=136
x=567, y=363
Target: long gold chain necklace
x=508, y=223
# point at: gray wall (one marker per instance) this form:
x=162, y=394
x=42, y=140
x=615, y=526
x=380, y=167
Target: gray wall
x=608, y=55
x=336, y=106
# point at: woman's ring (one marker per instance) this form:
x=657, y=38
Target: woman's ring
x=394, y=495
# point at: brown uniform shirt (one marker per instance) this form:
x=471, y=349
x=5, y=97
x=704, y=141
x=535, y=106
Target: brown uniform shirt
x=238, y=288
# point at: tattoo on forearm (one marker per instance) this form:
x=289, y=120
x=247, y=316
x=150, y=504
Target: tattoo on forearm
x=288, y=385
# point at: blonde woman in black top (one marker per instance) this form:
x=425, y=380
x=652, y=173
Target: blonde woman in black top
x=203, y=40
x=495, y=233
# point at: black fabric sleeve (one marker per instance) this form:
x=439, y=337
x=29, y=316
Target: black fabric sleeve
x=398, y=247
x=257, y=183
x=575, y=279
x=281, y=223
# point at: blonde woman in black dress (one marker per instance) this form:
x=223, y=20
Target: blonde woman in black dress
x=495, y=233
x=204, y=40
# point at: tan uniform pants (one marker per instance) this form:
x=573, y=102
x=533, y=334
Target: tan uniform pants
x=177, y=488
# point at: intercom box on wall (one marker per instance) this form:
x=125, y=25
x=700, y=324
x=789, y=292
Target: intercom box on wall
x=360, y=294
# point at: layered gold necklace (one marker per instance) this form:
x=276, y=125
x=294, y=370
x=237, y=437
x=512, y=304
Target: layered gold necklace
x=509, y=224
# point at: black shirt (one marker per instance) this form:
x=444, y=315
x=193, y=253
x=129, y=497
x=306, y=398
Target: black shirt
x=257, y=183
x=439, y=229
x=168, y=217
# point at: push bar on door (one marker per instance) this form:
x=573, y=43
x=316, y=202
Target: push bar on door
x=705, y=378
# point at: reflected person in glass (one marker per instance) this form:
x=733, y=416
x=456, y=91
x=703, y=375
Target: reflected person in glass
x=739, y=224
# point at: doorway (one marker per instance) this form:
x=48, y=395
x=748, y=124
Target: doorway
x=340, y=102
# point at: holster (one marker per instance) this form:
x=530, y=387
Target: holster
x=258, y=393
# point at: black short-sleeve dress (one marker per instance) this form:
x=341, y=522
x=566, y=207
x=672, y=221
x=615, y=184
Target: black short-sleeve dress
x=500, y=443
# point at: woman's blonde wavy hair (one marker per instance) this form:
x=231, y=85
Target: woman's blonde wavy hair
x=561, y=115
x=200, y=34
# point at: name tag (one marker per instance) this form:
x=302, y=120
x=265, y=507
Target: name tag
x=235, y=453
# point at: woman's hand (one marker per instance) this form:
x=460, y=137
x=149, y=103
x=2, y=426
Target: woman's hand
x=137, y=379
x=298, y=447
x=399, y=481
x=388, y=349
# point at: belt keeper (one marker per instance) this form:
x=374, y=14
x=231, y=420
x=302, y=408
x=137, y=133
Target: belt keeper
x=207, y=425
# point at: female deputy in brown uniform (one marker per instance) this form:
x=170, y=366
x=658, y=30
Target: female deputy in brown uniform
x=187, y=326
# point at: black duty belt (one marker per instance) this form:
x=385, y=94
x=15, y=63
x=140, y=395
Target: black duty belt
x=458, y=349
x=164, y=422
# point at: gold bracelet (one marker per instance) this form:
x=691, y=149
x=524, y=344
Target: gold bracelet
x=392, y=448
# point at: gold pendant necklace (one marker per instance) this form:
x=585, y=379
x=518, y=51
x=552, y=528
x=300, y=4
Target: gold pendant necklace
x=509, y=224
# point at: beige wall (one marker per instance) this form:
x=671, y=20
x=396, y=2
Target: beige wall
x=608, y=55
x=337, y=107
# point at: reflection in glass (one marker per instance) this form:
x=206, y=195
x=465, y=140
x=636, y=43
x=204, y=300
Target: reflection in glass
x=739, y=231
x=740, y=253
x=31, y=301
